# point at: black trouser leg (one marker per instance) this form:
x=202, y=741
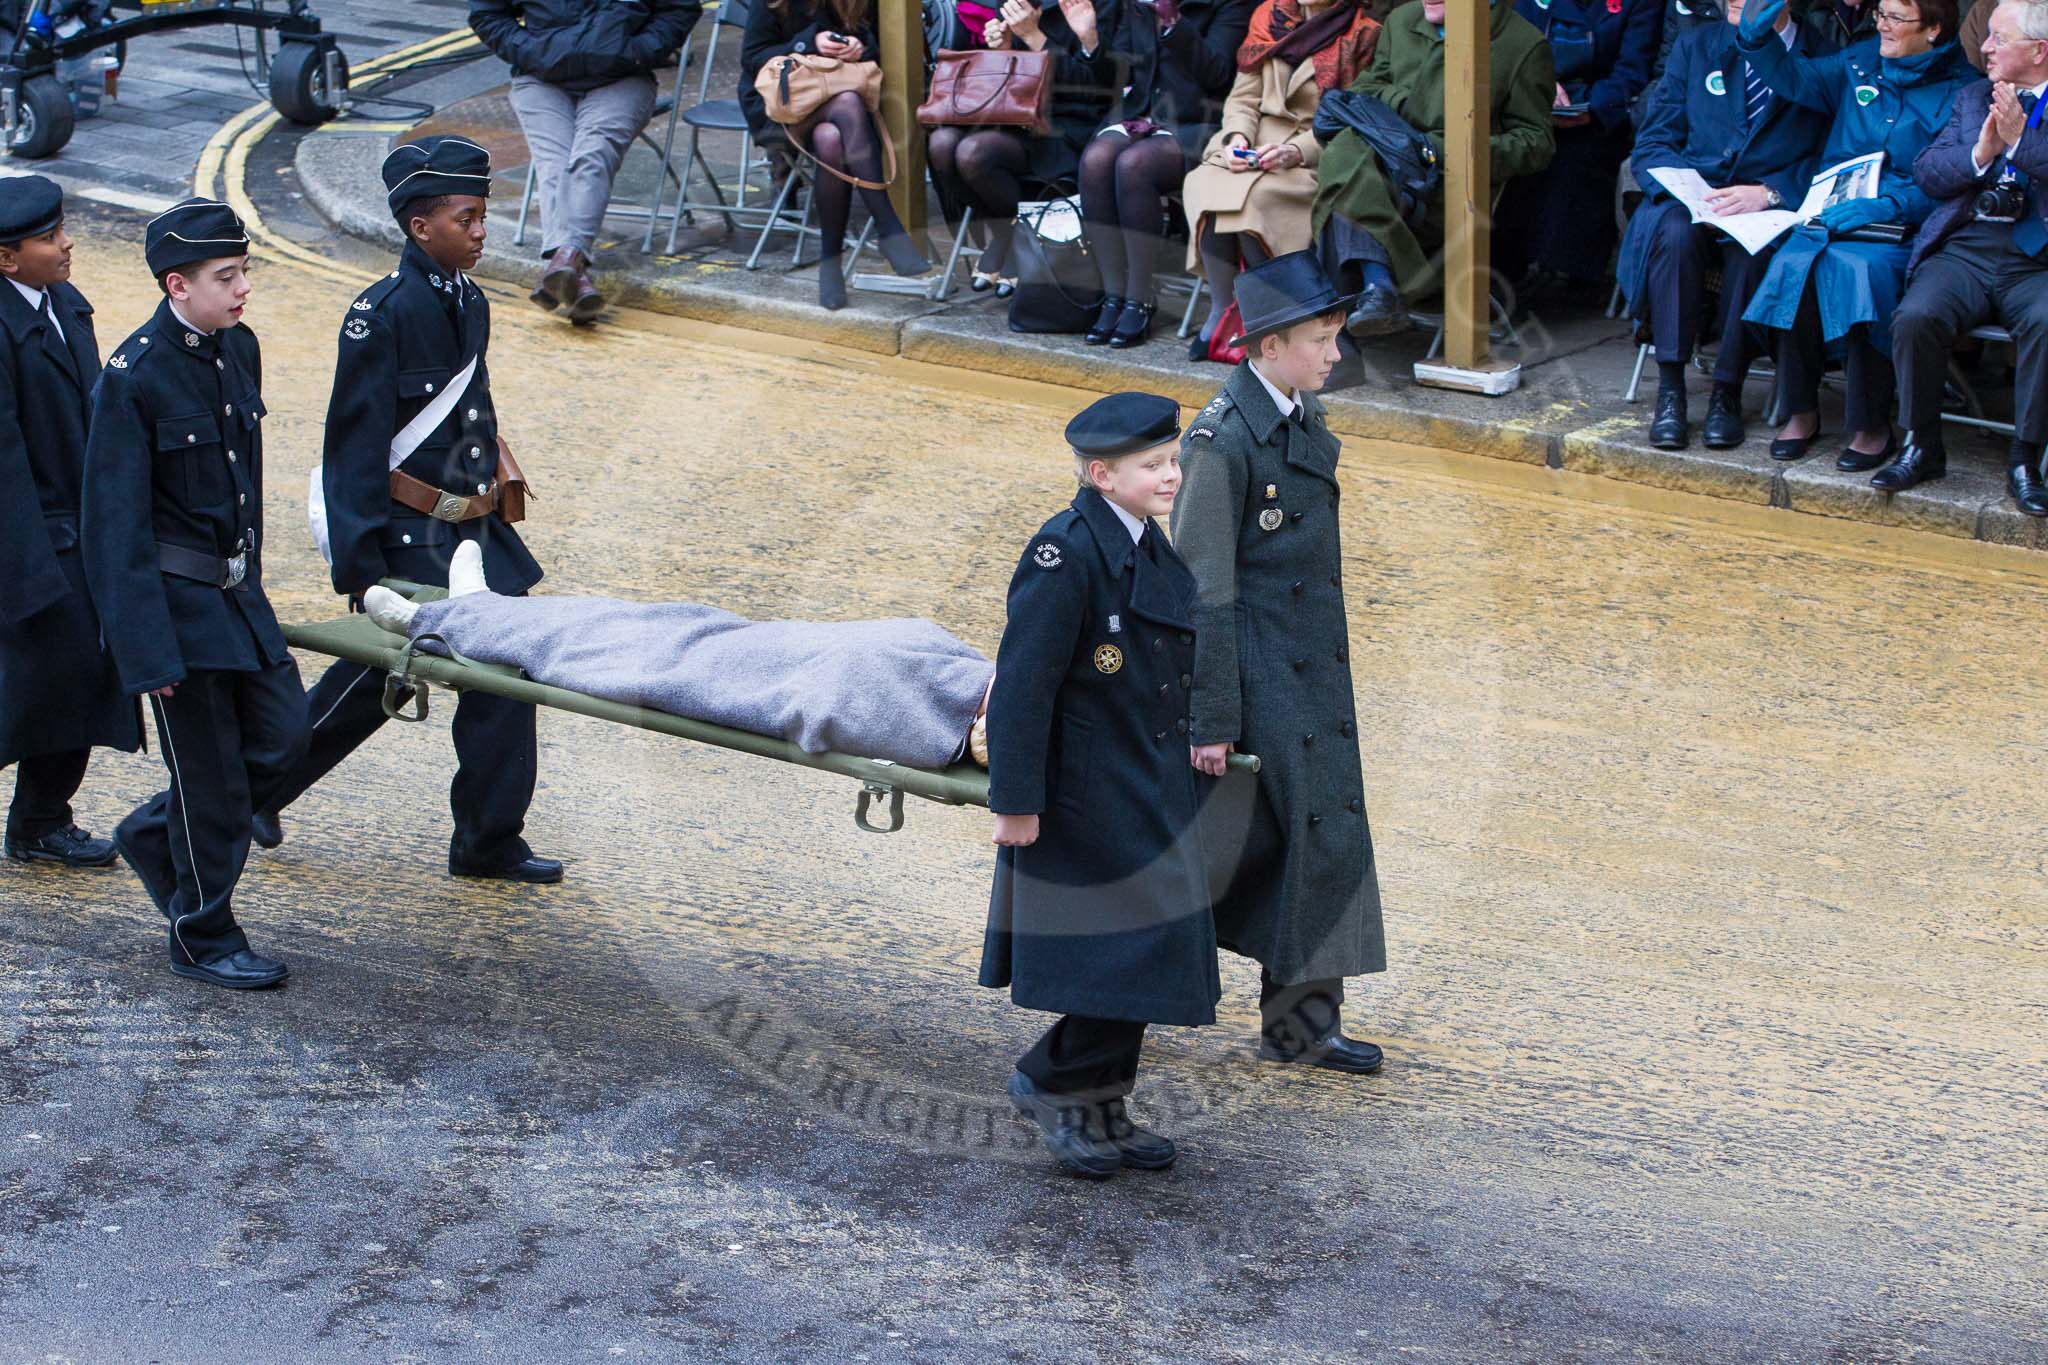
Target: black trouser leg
x=1801, y=358
x=1741, y=342
x=2023, y=303
x=227, y=738
x=1675, y=282
x=43, y=787
x=1085, y=1058
x=1870, y=385
x=345, y=707
x=497, y=753
x=1948, y=295
x=1291, y=1017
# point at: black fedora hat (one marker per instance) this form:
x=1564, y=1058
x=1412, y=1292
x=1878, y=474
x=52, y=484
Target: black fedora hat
x=1286, y=290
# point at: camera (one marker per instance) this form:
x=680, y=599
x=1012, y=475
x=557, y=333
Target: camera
x=2002, y=203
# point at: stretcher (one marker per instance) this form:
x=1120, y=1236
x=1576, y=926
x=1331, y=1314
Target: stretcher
x=409, y=672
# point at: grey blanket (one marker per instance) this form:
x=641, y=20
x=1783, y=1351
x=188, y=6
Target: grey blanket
x=902, y=690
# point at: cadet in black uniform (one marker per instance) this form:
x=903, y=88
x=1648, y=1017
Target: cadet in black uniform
x=173, y=522
x=58, y=693
x=411, y=381
x=1100, y=910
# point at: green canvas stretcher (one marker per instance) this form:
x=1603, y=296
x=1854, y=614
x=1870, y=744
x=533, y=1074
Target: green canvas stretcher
x=408, y=673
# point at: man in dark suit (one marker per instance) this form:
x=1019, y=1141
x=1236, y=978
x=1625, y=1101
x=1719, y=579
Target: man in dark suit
x=411, y=385
x=172, y=524
x=1975, y=260
x=1713, y=114
x=59, y=696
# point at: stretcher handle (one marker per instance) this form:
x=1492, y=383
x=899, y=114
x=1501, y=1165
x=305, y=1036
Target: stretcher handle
x=868, y=792
x=1244, y=763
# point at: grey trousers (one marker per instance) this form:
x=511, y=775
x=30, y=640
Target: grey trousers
x=577, y=143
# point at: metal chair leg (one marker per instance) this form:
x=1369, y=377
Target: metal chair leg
x=525, y=203
x=1635, y=377
x=668, y=145
x=942, y=287
x=1187, y=319
x=774, y=218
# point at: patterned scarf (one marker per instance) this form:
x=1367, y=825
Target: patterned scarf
x=1339, y=40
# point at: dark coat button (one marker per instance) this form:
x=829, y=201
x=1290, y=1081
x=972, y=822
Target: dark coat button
x=1186, y=681
x=1157, y=644
x=1333, y=580
x=1161, y=735
x=1162, y=689
x=1181, y=725
x=1314, y=820
x=1297, y=587
x=1186, y=638
x=1294, y=516
x=1345, y=729
x=1308, y=738
x=1356, y=805
x=1300, y=664
x=1340, y=655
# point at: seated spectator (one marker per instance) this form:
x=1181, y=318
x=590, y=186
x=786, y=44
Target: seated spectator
x=842, y=135
x=1975, y=27
x=1680, y=18
x=1555, y=229
x=1366, y=243
x=992, y=170
x=1891, y=94
x=1836, y=24
x=1714, y=114
x=1971, y=265
x=1181, y=61
x=583, y=88
x=1249, y=200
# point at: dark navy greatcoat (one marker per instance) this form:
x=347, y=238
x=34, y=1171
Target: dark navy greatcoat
x=58, y=691
x=403, y=341
x=176, y=457
x=1698, y=118
x=1107, y=914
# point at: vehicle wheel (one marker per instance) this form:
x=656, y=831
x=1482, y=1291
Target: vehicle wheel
x=298, y=83
x=44, y=118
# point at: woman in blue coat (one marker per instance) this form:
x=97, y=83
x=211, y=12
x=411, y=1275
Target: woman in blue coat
x=1560, y=223
x=1891, y=94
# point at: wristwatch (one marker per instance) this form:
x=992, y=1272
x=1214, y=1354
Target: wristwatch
x=1775, y=199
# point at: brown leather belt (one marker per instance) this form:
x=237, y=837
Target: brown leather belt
x=440, y=504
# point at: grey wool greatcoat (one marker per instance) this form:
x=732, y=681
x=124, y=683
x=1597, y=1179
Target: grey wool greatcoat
x=1107, y=914
x=1256, y=521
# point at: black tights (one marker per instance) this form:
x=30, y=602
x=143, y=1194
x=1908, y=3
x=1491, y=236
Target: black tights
x=1123, y=184
x=982, y=169
x=843, y=137
x=1220, y=252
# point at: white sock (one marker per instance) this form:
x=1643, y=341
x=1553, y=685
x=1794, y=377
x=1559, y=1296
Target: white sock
x=387, y=610
x=466, y=570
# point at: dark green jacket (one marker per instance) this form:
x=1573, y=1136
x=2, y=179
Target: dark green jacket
x=1407, y=75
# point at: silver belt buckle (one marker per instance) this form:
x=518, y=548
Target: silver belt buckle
x=448, y=507
x=238, y=569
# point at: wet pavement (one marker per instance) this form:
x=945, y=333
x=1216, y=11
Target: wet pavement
x=1710, y=844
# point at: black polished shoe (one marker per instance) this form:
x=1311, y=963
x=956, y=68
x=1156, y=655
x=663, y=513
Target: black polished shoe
x=1723, y=429
x=1065, y=1129
x=1134, y=327
x=1854, y=461
x=72, y=847
x=1198, y=349
x=1916, y=463
x=266, y=829
x=537, y=871
x=2028, y=493
x=1786, y=449
x=1142, y=1149
x=1334, y=1053
x=1668, y=428
x=1104, y=326
x=243, y=970
x=1378, y=313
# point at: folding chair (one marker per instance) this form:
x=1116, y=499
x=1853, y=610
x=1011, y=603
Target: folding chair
x=665, y=105
x=1973, y=414
x=717, y=116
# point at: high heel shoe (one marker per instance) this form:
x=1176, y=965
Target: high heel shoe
x=1106, y=318
x=1198, y=348
x=1134, y=327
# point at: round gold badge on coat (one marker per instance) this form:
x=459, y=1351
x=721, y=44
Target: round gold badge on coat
x=1109, y=659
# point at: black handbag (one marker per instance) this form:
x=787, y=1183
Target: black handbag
x=1058, y=288
x=1404, y=153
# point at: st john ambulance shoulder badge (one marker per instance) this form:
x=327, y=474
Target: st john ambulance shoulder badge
x=1047, y=555
x=1108, y=659
x=356, y=329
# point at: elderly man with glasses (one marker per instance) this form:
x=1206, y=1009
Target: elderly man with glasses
x=1983, y=253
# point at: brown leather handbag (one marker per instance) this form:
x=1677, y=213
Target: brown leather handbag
x=796, y=85
x=1006, y=88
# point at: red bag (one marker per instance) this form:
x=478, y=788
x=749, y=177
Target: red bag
x=1226, y=346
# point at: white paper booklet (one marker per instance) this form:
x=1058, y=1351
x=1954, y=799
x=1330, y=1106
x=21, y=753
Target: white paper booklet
x=1856, y=178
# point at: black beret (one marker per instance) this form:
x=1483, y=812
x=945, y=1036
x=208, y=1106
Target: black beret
x=1122, y=423
x=196, y=230
x=30, y=205
x=435, y=166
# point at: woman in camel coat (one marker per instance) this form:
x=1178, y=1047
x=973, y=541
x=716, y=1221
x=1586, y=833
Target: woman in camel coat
x=1249, y=208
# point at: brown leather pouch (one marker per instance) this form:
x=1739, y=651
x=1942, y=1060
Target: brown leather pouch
x=511, y=485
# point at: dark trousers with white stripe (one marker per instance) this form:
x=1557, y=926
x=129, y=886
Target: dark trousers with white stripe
x=496, y=753
x=229, y=740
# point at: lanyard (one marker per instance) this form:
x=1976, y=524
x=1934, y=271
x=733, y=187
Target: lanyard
x=2011, y=172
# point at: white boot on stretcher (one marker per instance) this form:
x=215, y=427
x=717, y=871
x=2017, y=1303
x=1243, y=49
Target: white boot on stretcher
x=388, y=611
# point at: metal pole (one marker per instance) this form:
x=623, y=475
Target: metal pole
x=1468, y=180
x=902, y=58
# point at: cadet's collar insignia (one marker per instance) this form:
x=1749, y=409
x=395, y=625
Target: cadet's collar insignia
x=1116, y=624
x=1047, y=555
x=1108, y=659
x=1269, y=520
x=362, y=305
x=434, y=280
x=119, y=362
x=1272, y=491
x=192, y=340
x=1205, y=432
x=356, y=329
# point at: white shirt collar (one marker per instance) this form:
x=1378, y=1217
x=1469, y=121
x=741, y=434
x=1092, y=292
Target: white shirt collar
x=186, y=322
x=1287, y=406
x=2040, y=89
x=34, y=296
x=1134, y=525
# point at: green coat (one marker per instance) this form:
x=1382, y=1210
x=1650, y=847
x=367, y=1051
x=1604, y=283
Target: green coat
x=1289, y=853
x=1407, y=75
